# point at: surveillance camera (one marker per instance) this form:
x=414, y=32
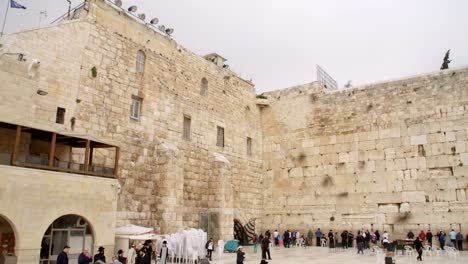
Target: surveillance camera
x=36, y=62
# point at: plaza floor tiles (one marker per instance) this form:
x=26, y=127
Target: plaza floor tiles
x=323, y=256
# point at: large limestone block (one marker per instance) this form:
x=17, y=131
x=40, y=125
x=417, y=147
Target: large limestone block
x=418, y=140
x=413, y=196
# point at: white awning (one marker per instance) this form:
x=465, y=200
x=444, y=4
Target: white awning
x=133, y=230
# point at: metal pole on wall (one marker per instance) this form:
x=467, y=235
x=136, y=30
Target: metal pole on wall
x=4, y=20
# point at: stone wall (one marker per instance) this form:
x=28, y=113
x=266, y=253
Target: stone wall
x=390, y=156
x=166, y=181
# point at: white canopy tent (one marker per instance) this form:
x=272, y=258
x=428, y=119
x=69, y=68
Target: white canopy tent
x=124, y=234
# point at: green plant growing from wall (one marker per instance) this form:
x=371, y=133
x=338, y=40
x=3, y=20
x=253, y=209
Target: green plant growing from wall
x=447, y=60
x=94, y=72
x=261, y=96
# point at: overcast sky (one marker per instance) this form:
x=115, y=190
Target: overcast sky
x=277, y=43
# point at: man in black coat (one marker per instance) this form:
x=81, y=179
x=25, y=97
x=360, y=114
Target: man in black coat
x=62, y=258
x=266, y=248
x=418, y=247
x=429, y=236
x=100, y=255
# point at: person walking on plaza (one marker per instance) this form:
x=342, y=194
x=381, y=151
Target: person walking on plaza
x=255, y=242
x=418, y=246
x=84, y=257
x=241, y=255
x=459, y=238
x=62, y=258
x=131, y=255
x=209, y=248
x=164, y=252
x=266, y=248
x=100, y=255
x=318, y=236
x=429, y=236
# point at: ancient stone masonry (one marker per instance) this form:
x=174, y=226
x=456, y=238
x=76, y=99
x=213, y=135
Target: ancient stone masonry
x=167, y=181
x=197, y=149
x=390, y=155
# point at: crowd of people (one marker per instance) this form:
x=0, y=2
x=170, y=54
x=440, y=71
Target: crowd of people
x=135, y=255
x=364, y=239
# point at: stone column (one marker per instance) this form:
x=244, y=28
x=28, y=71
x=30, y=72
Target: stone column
x=27, y=255
x=223, y=206
x=169, y=189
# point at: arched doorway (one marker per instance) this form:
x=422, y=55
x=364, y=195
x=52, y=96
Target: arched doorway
x=7, y=241
x=71, y=230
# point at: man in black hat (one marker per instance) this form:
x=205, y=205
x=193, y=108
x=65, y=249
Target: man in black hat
x=62, y=258
x=100, y=255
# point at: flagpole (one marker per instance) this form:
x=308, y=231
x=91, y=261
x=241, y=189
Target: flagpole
x=4, y=20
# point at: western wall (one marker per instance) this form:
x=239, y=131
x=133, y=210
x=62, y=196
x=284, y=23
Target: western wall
x=391, y=155
x=388, y=156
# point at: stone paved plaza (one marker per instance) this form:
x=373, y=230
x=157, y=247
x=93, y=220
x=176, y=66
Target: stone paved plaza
x=323, y=256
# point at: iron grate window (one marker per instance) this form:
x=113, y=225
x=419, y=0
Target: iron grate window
x=249, y=146
x=220, y=137
x=187, y=126
x=60, y=116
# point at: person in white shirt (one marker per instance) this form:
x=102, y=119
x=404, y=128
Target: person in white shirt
x=275, y=235
x=131, y=255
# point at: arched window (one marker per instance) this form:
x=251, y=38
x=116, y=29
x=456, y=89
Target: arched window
x=204, y=86
x=140, y=62
x=71, y=230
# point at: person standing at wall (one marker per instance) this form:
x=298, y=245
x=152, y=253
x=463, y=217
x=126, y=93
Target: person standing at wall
x=275, y=235
x=266, y=248
x=459, y=238
x=285, y=239
x=344, y=239
x=418, y=247
x=429, y=236
x=422, y=236
x=453, y=238
x=410, y=235
x=442, y=238
x=377, y=237
x=310, y=237
x=62, y=258
x=318, y=236
x=360, y=242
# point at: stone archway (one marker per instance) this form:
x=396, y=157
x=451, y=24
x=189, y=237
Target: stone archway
x=72, y=230
x=8, y=241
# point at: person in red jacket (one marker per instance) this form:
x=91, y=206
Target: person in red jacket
x=422, y=236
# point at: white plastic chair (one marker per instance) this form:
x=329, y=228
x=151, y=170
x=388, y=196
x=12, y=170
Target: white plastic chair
x=427, y=250
x=408, y=251
x=437, y=250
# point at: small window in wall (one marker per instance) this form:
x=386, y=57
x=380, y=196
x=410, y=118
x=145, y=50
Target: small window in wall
x=135, y=108
x=204, y=87
x=220, y=137
x=249, y=146
x=60, y=116
x=140, y=62
x=187, y=125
